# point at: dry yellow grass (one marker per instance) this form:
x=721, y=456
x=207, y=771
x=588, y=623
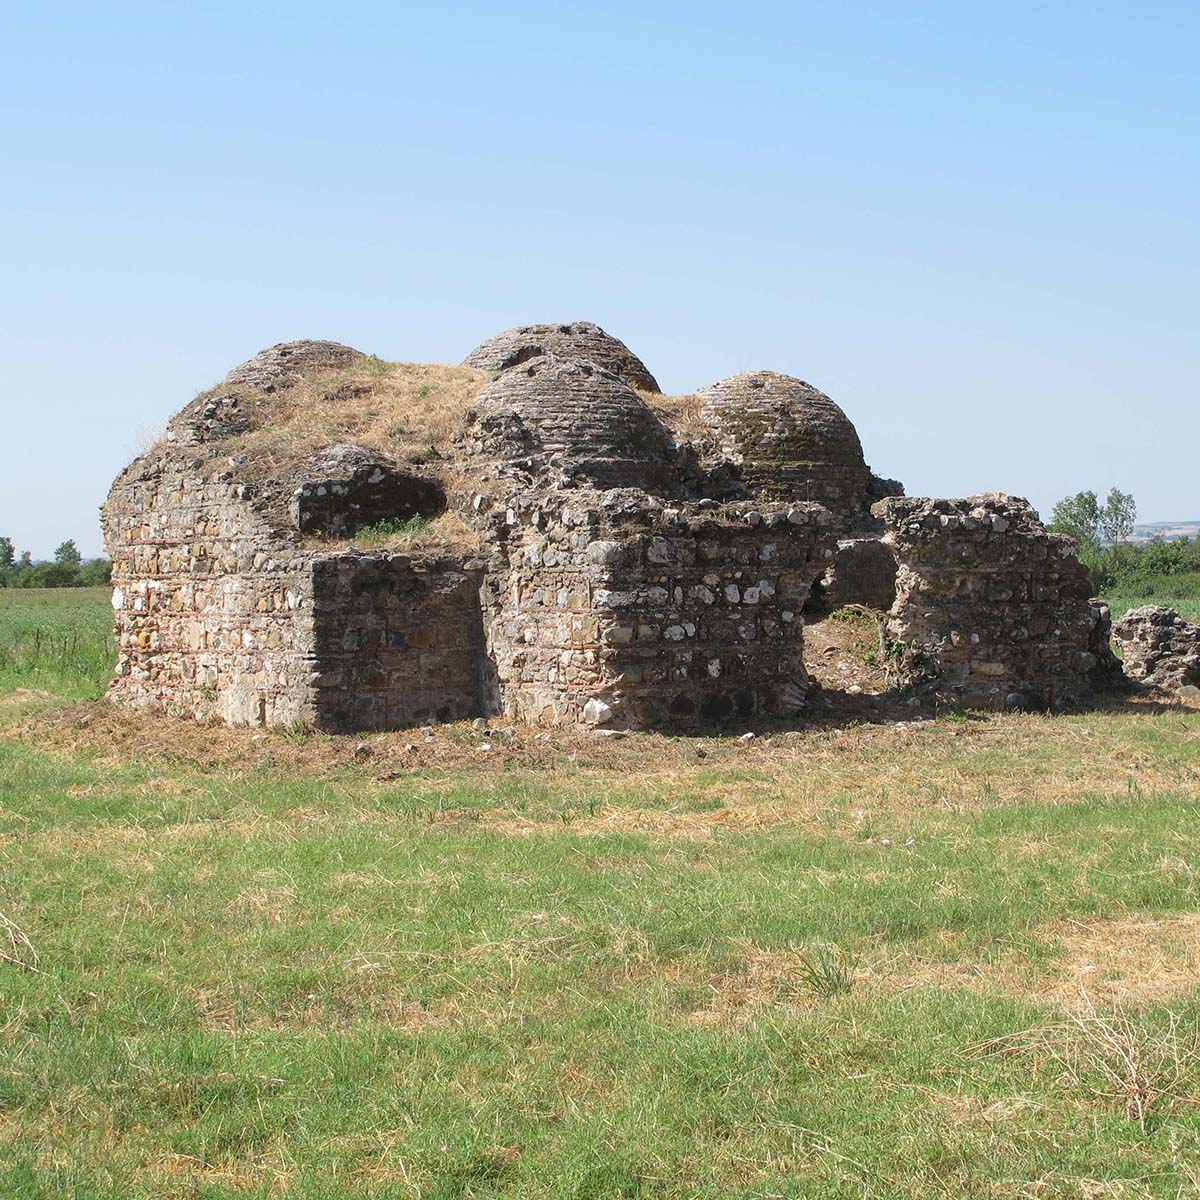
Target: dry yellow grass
x=681, y=414
x=851, y=775
x=411, y=410
x=1134, y=960
x=1104, y=966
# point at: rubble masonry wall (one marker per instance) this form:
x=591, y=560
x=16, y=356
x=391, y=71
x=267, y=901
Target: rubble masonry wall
x=211, y=615
x=612, y=608
x=399, y=642
x=1159, y=647
x=1000, y=606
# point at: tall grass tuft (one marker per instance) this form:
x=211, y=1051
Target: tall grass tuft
x=828, y=970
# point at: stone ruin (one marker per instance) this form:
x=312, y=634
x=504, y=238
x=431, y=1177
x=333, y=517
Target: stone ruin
x=1000, y=607
x=1160, y=649
x=327, y=538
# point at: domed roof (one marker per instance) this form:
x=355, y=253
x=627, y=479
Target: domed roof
x=580, y=339
x=790, y=440
x=575, y=420
x=286, y=364
x=232, y=406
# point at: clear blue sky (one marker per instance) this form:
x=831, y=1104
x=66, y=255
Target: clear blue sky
x=976, y=226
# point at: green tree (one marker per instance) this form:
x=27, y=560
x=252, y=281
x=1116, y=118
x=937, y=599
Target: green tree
x=1118, y=516
x=1079, y=516
x=8, y=553
x=67, y=555
x=47, y=575
x=96, y=572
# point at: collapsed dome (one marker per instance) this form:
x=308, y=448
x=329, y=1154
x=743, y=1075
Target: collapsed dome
x=580, y=339
x=790, y=440
x=229, y=409
x=577, y=421
x=288, y=363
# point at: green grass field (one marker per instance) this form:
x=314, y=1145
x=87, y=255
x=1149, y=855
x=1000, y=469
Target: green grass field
x=56, y=639
x=1180, y=592
x=950, y=958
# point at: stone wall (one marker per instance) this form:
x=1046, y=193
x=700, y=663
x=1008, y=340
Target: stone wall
x=399, y=641
x=211, y=613
x=999, y=607
x=618, y=608
x=1159, y=647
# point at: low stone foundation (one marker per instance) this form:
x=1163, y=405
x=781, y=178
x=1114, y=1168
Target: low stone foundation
x=999, y=607
x=1159, y=647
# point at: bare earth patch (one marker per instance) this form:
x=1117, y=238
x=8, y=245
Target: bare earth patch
x=1107, y=965
x=1127, y=961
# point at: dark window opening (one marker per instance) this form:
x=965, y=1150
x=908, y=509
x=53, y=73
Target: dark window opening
x=339, y=508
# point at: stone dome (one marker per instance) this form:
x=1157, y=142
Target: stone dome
x=790, y=440
x=286, y=364
x=580, y=339
x=575, y=421
x=234, y=405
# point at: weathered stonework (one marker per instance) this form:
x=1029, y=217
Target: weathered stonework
x=1159, y=647
x=397, y=641
x=1000, y=607
x=604, y=572
x=862, y=571
x=212, y=613
x=288, y=364
x=790, y=441
x=615, y=608
x=579, y=340
x=573, y=423
x=346, y=488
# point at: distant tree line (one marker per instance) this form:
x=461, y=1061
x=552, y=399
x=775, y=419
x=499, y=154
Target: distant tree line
x=67, y=569
x=1102, y=532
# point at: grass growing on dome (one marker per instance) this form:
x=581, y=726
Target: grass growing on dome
x=412, y=411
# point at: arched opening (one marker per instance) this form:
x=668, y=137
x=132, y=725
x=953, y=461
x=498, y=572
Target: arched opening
x=862, y=571
x=846, y=647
